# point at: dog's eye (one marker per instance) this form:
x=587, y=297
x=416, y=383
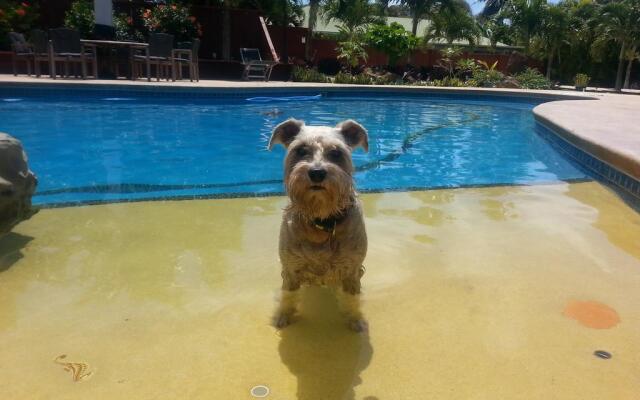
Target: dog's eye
x=335, y=155
x=302, y=151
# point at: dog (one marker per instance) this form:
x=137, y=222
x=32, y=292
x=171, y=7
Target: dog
x=322, y=236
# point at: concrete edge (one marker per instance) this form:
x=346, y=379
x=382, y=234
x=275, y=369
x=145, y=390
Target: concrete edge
x=226, y=86
x=598, y=149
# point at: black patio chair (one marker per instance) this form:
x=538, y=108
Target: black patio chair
x=40, y=45
x=187, y=55
x=254, y=66
x=20, y=50
x=159, y=53
x=65, y=46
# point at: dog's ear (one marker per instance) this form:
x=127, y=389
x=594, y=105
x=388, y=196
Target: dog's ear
x=285, y=132
x=354, y=134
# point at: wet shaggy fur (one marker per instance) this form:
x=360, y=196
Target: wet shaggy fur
x=318, y=174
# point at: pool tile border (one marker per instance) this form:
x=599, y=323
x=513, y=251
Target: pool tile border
x=590, y=163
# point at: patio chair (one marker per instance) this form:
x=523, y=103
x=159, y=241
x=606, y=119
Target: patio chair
x=254, y=66
x=65, y=46
x=40, y=45
x=187, y=55
x=20, y=50
x=159, y=53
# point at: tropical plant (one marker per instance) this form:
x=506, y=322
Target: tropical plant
x=581, y=81
x=618, y=22
x=18, y=16
x=80, y=17
x=531, y=78
x=488, y=76
x=125, y=29
x=496, y=30
x=301, y=74
x=352, y=15
x=630, y=56
x=393, y=40
x=553, y=34
x=351, y=48
x=359, y=79
x=448, y=58
x=453, y=22
x=172, y=18
x=314, y=8
x=526, y=17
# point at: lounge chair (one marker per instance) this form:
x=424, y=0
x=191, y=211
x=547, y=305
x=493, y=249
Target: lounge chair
x=21, y=50
x=40, y=45
x=254, y=66
x=159, y=53
x=65, y=46
x=187, y=55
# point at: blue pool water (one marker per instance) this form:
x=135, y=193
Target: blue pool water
x=99, y=146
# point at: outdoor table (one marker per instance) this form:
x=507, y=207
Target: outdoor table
x=122, y=44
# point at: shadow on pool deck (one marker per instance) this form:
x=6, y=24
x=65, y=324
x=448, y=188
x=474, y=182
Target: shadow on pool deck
x=11, y=246
x=326, y=357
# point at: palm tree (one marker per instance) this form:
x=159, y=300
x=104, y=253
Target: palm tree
x=553, y=33
x=631, y=55
x=314, y=8
x=526, y=18
x=618, y=22
x=352, y=14
x=454, y=21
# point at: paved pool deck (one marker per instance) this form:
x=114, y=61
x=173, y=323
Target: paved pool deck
x=607, y=128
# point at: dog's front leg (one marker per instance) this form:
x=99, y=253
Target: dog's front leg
x=349, y=298
x=289, y=298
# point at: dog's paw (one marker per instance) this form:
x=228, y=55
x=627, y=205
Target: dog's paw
x=358, y=325
x=282, y=320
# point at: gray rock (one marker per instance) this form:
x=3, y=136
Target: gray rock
x=17, y=184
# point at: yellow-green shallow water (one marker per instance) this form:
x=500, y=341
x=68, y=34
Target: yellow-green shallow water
x=466, y=293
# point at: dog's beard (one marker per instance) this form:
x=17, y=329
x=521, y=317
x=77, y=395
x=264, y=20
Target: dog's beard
x=336, y=193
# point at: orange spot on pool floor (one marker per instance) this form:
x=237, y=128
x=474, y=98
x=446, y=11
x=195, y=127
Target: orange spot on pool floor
x=592, y=314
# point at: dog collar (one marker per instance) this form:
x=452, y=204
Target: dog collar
x=329, y=224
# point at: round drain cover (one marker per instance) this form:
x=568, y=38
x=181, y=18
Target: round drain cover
x=260, y=391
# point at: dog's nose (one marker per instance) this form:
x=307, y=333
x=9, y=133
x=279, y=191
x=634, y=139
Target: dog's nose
x=317, y=174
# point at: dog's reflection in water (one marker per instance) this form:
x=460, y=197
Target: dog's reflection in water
x=326, y=357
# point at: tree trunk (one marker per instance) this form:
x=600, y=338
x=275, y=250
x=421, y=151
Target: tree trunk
x=226, y=31
x=415, y=19
x=620, y=67
x=629, y=67
x=549, y=64
x=314, y=5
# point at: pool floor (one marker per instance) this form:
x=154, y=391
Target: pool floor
x=488, y=293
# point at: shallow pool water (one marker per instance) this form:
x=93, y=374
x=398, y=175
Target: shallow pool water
x=90, y=148
x=467, y=293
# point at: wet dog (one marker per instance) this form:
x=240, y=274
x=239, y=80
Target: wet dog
x=322, y=236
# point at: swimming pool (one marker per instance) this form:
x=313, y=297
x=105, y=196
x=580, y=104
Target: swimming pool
x=100, y=146
x=504, y=273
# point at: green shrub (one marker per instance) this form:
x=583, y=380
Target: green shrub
x=581, y=80
x=487, y=77
x=125, y=29
x=172, y=18
x=360, y=79
x=448, y=82
x=393, y=40
x=80, y=17
x=301, y=74
x=532, y=79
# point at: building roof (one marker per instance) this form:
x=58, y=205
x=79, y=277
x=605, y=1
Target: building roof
x=325, y=26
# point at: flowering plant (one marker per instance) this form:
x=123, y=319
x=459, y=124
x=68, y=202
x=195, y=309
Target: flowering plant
x=18, y=16
x=172, y=18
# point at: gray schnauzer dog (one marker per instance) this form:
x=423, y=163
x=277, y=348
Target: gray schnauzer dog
x=322, y=236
